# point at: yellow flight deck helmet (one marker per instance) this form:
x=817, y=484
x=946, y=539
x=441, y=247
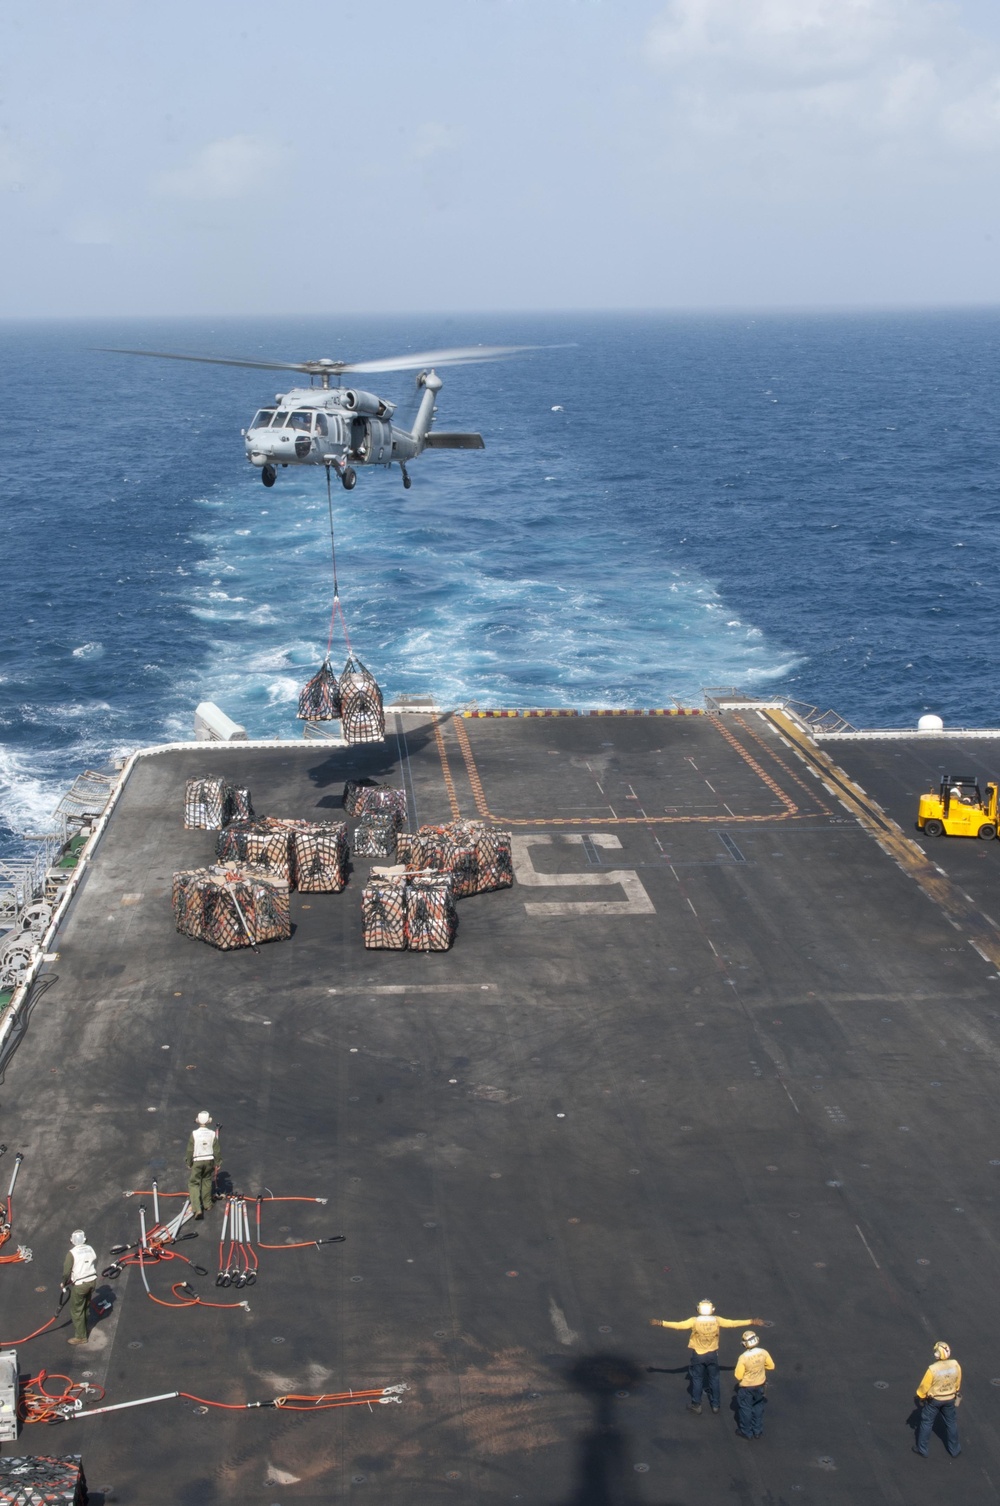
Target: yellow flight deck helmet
x=749, y=1339
x=706, y=1308
x=942, y=1351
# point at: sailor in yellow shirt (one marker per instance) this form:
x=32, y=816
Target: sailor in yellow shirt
x=704, y=1347
x=751, y=1385
x=939, y=1392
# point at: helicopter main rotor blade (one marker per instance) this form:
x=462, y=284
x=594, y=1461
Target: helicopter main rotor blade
x=172, y=355
x=462, y=355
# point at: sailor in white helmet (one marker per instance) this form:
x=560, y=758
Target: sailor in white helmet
x=939, y=1393
x=204, y=1157
x=751, y=1386
x=704, y=1347
x=79, y=1279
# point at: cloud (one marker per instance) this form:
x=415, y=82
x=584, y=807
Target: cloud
x=12, y=170
x=815, y=77
x=430, y=139
x=232, y=168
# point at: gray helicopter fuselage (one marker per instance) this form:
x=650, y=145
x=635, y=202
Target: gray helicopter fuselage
x=338, y=426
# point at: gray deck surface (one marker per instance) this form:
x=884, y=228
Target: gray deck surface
x=767, y=1075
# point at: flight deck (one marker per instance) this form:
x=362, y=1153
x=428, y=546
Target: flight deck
x=733, y=1033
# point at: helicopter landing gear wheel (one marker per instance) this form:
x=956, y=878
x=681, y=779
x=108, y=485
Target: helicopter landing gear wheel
x=349, y=479
x=268, y=475
x=407, y=479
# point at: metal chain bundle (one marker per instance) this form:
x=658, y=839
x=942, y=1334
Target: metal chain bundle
x=39, y=1479
x=319, y=698
x=361, y=715
x=231, y=907
x=212, y=803
x=375, y=836
x=373, y=799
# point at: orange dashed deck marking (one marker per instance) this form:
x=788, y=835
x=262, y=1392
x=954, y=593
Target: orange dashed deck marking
x=449, y=783
x=791, y=810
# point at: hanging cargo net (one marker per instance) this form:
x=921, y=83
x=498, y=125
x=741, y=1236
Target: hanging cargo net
x=307, y=855
x=363, y=799
x=231, y=907
x=356, y=699
x=476, y=855
x=210, y=804
x=375, y=836
x=319, y=698
x=361, y=716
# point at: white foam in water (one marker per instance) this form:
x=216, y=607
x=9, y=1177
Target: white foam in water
x=432, y=618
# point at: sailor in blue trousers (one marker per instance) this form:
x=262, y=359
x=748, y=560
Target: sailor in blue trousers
x=751, y=1386
x=939, y=1394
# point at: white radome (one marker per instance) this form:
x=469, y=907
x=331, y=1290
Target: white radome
x=930, y=723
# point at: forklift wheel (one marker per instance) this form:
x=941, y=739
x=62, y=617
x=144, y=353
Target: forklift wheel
x=987, y=832
x=933, y=828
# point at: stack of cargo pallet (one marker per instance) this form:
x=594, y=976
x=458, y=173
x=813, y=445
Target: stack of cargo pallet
x=307, y=855
x=412, y=907
x=210, y=804
x=231, y=907
x=380, y=813
x=38, y=1479
x=475, y=854
x=412, y=912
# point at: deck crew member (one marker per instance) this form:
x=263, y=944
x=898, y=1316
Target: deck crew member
x=79, y=1278
x=751, y=1386
x=939, y=1394
x=204, y=1157
x=704, y=1347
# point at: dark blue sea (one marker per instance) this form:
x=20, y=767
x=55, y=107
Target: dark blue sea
x=802, y=504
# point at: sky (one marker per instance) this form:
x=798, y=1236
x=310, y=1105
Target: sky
x=470, y=155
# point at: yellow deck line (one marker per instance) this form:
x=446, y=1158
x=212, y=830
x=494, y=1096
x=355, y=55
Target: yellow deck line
x=984, y=934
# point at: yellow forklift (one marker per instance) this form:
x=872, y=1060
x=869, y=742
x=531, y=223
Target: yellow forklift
x=958, y=809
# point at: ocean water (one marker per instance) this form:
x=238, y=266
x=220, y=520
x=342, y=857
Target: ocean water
x=799, y=504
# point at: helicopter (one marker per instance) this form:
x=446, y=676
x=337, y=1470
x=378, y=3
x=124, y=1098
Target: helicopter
x=343, y=427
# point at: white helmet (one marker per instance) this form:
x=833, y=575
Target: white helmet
x=78, y=1237
x=204, y=1117
x=705, y=1307
x=942, y=1351
x=749, y=1338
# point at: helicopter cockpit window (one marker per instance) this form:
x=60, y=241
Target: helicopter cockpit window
x=301, y=421
x=280, y=418
x=320, y=423
x=263, y=418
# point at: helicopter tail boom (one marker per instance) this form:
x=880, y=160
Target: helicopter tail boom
x=440, y=441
